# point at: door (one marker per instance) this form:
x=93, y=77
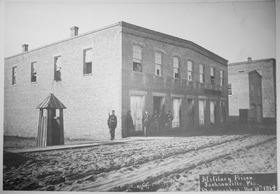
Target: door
x=202, y=107
x=136, y=107
x=259, y=113
x=176, y=112
x=190, y=112
x=212, y=112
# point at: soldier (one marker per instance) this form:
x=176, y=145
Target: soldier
x=112, y=124
x=162, y=117
x=146, y=123
x=156, y=122
x=169, y=119
x=129, y=124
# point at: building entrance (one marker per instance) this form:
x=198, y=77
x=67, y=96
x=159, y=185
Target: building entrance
x=137, y=107
x=159, y=104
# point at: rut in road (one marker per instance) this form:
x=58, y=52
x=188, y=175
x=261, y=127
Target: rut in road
x=175, y=163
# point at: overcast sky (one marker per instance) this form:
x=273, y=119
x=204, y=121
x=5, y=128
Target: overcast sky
x=234, y=31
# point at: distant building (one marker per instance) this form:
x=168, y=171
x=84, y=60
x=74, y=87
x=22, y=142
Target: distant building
x=267, y=70
x=245, y=97
x=121, y=67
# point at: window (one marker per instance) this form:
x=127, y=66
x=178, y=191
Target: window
x=222, y=77
x=201, y=74
x=190, y=71
x=176, y=67
x=137, y=58
x=212, y=75
x=158, y=63
x=88, y=61
x=14, y=75
x=212, y=112
x=229, y=89
x=33, y=72
x=57, y=68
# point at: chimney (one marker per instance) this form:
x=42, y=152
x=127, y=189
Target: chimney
x=249, y=58
x=74, y=31
x=24, y=48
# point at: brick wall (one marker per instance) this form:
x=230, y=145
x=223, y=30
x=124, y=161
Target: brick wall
x=88, y=98
x=166, y=85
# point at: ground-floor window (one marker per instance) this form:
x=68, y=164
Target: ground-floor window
x=202, y=108
x=176, y=112
x=137, y=107
x=212, y=112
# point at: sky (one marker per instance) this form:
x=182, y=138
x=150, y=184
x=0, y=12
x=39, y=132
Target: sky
x=232, y=30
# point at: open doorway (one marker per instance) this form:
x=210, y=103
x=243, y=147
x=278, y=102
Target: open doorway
x=159, y=105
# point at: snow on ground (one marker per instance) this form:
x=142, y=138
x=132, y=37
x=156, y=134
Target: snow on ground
x=143, y=164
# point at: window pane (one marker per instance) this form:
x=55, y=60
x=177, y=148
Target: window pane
x=137, y=52
x=190, y=66
x=58, y=63
x=201, y=68
x=175, y=62
x=158, y=70
x=88, y=55
x=212, y=71
x=158, y=57
x=190, y=76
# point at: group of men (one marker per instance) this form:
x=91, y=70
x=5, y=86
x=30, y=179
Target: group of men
x=156, y=122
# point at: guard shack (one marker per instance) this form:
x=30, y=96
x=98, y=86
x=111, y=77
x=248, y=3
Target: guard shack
x=50, y=127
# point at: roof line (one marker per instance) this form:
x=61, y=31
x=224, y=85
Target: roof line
x=257, y=60
x=65, y=40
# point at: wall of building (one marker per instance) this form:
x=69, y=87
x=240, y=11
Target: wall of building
x=146, y=83
x=88, y=98
x=240, y=98
x=266, y=68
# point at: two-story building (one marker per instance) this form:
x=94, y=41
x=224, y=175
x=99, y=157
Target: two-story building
x=121, y=67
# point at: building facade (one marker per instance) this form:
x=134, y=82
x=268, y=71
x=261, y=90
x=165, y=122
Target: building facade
x=267, y=69
x=121, y=67
x=245, y=104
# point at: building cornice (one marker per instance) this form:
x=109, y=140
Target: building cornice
x=252, y=61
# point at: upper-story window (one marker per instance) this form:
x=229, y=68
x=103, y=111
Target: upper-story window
x=88, y=61
x=57, y=68
x=201, y=73
x=14, y=75
x=229, y=89
x=212, y=75
x=158, y=63
x=222, y=77
x=34, y=72
x=190, y=70
x=176, y=67
x=137, y=58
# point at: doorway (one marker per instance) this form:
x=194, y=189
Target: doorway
x=159, y=105
x=137, y=108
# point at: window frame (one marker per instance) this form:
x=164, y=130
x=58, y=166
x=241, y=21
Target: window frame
x=222, y=77
x=137, y=63
x=230, y=89
x=176, y=68
x=191, y=72
x=57, y=73
x=212, y=77
x=14, y=75
x=86, y=64
x=33, y=72
x=202, y=75
x=160, y=65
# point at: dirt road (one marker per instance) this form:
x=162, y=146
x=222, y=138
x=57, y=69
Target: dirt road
x=140, y=165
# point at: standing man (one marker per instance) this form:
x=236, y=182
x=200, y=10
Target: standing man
x=112, y=124
x=146, y=123
x=169, y=119
x=156, y=122
x=129, y=124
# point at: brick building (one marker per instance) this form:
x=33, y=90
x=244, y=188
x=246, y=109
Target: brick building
x=267, y=69
x=121, y=67
x=245, y=104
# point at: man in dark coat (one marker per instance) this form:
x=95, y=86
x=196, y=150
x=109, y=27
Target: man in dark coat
x=156, y=122
x=169, y=119
x=129, y=124
x=112, y=124
x=146, y=123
